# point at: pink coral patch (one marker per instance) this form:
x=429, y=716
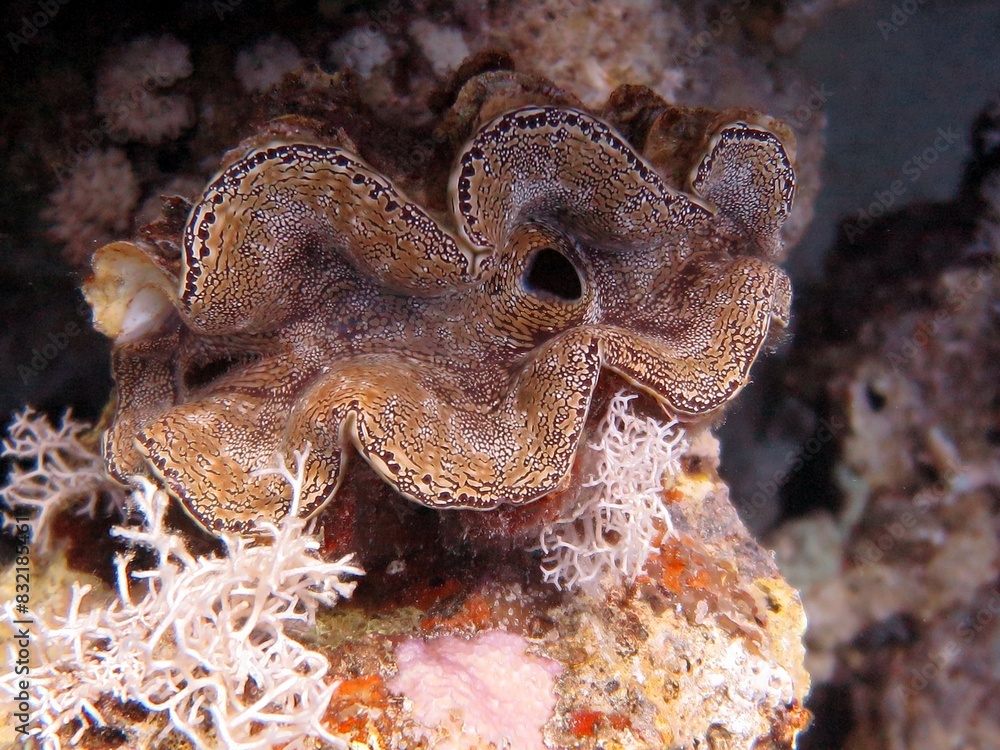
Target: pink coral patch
x=487, y=689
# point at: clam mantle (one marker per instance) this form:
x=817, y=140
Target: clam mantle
x=314, y=304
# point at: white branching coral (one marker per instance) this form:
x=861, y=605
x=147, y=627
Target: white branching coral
x=52, y=469
x=612, y=529
x=210, y=641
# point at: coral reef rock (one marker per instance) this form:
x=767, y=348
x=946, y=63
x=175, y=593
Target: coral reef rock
x=900, y=583
x=436, y=649
x=704, y=647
